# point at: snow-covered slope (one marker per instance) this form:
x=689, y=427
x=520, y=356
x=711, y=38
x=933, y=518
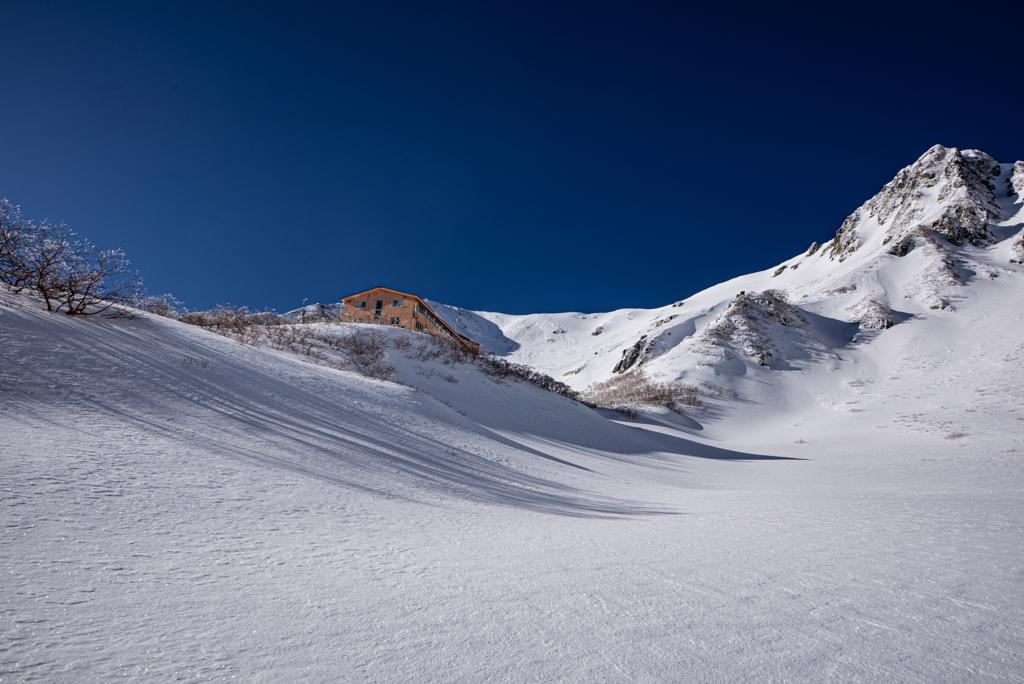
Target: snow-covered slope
x=931, y=263
x=178, y=506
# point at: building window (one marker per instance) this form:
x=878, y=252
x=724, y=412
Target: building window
x=396, y=320
x=359, y=320
x=396, y=304
x=360, y=305
x=419, y=326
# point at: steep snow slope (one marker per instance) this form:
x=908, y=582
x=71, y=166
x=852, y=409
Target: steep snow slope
x=930, y=263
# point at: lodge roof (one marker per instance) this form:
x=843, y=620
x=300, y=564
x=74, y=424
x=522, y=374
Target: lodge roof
x=385, y=287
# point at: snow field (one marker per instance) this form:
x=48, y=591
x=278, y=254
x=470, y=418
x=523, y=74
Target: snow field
x=263, y=519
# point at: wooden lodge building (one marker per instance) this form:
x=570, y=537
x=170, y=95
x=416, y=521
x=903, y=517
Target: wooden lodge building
x=384, y=306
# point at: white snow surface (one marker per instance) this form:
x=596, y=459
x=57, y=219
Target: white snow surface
x=180, y=507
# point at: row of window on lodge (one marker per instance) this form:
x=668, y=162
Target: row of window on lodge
x=378, y=316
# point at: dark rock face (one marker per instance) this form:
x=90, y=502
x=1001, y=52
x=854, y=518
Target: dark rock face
x=964, y=223
x=812, y=249
x=903, y=247
x=778, y=271
x=630, y=356
x=640, y=353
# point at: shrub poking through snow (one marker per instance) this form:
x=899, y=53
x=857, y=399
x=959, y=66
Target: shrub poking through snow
x=430, y=347
x=500, y=369
x=235, y=322
x=632, y=393
x=161, y=305
x=362, y=349
x=366, y=351
x=402, y=342
x=718, y=390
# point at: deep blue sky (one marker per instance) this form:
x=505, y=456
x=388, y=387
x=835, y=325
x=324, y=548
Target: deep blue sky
x=513, y=157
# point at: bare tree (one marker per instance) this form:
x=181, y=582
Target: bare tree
x=15, y=234
x=68, y=274
x=42, y=262
x=92, y=282
x=366, y=351
x=402, y=342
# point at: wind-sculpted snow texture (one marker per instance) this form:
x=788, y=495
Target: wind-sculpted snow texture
x=843, y=502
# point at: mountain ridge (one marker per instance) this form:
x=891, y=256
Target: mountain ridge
x=942, y=240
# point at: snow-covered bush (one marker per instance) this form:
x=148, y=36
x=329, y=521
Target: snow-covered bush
x=500, y=369
x=430, y=347
x=402, y=342
x=233, y=321
x=15, y=233
x=162, y=305
x=633, y=392
x=365, y=349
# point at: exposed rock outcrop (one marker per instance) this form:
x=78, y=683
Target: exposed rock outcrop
x=947, y=190
x=903, y=247
x=1015, y=182
x=632, y=355
x=1017, y=250
x=961, y=183
x=748, y=321
x=846, y=240
x=873, y=314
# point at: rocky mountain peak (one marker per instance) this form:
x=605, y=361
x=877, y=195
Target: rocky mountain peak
x=947, y=190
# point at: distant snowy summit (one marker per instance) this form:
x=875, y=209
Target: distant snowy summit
x=961, y=212
x=959, y=194
x=944, y=237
